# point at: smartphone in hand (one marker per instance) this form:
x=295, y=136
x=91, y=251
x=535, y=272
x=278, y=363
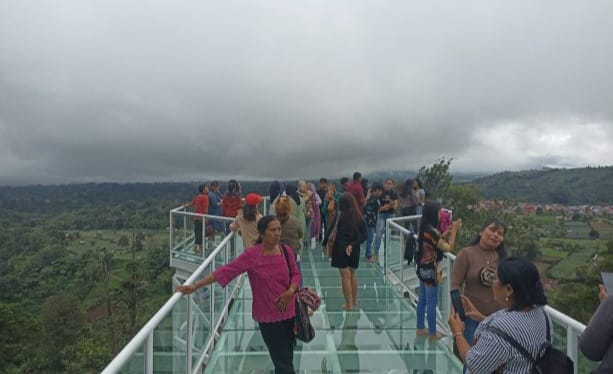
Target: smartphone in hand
x=607, y=280
x=457, y=304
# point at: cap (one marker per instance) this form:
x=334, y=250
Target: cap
x=253, y=199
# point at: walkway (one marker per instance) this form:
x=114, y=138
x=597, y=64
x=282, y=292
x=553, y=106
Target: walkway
x=378, y=337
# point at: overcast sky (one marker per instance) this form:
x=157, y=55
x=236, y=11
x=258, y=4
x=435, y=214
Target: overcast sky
x=185, y=90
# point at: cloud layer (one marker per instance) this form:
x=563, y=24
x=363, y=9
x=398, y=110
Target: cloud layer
x=131, y=91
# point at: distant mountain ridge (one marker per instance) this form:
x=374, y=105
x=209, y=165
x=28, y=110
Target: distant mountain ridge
x=590, y=186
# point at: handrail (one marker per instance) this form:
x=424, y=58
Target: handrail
x=132, y=347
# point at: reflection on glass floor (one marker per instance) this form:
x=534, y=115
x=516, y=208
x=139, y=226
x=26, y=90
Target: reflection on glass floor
x=378, y=337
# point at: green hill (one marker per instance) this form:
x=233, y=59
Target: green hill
x=591, y=185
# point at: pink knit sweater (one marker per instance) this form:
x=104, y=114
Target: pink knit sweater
x=269, y=278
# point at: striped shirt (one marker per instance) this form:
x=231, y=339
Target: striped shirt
x=491, y=351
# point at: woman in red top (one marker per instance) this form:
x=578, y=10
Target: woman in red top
x=231, y=201
x=201, y=206
x=273, y=287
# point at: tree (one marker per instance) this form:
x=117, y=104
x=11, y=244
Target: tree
x=578, y=300
x=63, y=321
x=462, y=199
x=436, y=179
x=123, y=241
x=610, y=247
x=107, y=265
x=134, y=286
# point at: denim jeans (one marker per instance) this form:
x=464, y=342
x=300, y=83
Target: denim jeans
x=307, y=234
x=369, y=240
x=381, y=218
x=428, y=298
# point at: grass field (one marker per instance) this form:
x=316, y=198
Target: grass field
x=567, y=268
x=604, y=229
x=544, y=219
x=553, y=253
x=577, y=230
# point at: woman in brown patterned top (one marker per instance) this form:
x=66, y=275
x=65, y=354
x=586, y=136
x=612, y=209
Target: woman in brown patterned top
x=474, y=270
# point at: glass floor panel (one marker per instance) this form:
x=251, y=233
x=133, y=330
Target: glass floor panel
x=377, y=337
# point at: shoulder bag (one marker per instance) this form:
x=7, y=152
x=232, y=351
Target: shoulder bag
x=549, y=360
x=305, y=299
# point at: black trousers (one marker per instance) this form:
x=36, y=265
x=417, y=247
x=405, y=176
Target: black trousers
x=280, y=340
x=198, y=232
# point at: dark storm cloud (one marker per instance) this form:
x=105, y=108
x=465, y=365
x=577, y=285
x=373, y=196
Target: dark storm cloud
x=127, y=91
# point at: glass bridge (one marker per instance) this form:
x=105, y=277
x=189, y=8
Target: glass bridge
x=212, y=331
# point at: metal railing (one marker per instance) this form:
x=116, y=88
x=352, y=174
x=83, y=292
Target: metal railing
x=182, y=232
x=181, y=335
x=566, y=329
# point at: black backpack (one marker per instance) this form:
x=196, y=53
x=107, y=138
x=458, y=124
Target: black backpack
x=549, y=359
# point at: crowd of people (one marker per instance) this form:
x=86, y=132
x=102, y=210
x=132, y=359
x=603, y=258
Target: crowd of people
x=498, y=292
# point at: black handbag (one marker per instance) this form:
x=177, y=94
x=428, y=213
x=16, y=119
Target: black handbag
x=303, y=329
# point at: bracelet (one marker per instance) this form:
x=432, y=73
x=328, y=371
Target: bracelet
x=456, y=334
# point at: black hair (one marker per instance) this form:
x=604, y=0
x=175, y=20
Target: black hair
x=344, y=180
x=201, y=188
x=364, y=184
x=405, y=189
x=419, y=184
x=349, y=210
x=429, y=217
x=233, y=188
x=376, y=186
x=274, y=191
x=525, y=280
x=357, y=175
x=502, y=252
x=263, y=225
x=250, y=212
x=323, y=180
x=292, y=191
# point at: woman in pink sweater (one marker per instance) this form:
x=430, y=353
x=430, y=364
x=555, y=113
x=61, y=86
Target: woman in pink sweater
x=273, y=287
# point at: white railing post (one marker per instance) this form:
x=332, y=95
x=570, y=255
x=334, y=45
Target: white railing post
x=171, y=228
x=386, y=243
x=401, y=258
x=446, y=297
x=204, y=238
x=226, y=259
x=571, y=346
x=212, y=295
x=384, y=255
x=184, y=227
x=189, y=338
x=149, y=354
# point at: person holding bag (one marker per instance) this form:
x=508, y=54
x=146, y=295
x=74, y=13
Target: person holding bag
x=430, y=248
x=516, y=339
x=274, y=302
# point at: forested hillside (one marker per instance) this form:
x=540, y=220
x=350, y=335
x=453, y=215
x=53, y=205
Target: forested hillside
x=82, y=268
x=592, y=185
